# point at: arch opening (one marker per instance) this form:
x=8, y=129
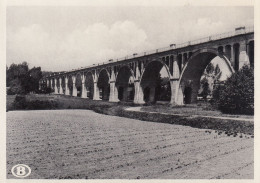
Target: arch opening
x=187, y=94
x=63, y=84
x=78, y=84
x=70, y=85
x=236, y=56
x=125, y=84
x=103, y=85
x=228, y=52
x=251, y=53
x=155, y=83
x=58, y=84
x=211, y=66
x=220, y=49
x=185, y=58
x=52, y=84
x=179, y=58
x=89, y=83
x=49, y=83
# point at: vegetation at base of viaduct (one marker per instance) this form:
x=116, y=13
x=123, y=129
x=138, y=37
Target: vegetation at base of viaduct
x=229, y=126
x=236, y=95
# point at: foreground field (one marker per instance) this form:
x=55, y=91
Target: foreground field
x=83, y=144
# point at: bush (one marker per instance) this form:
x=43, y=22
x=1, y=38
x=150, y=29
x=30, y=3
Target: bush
x=45, y=90
x=236, y=95
x=15, y=88
x=21, y=103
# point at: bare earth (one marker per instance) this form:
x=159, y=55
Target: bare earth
x=82, y=144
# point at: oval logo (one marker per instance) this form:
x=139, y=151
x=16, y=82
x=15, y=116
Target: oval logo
x=21, y=170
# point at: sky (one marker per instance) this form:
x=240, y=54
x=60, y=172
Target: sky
x=69, y=37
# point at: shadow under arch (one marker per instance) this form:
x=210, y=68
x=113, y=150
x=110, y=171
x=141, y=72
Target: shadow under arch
x=78, y=84
x=125, y=84
x=70, y=84
x=150, y=80
x=49, y=83
x=89, y=84
x=63, y=84
x=103, y=84
x=58, y=84
x=189, y=81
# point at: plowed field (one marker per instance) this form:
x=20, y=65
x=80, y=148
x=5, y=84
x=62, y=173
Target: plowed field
x=81, y=144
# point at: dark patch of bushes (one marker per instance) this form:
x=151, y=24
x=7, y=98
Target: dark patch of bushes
x=197, y=122
x=231, y=126
x=46, y=90
x=236, y=95
x=21, y=103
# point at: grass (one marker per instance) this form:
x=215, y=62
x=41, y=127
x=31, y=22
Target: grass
x=230, y=126
x=202, y=109
x=10, y=101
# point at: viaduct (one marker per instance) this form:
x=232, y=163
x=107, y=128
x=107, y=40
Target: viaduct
x=133, y=78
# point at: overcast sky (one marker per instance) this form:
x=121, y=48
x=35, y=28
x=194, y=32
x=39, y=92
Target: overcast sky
x=64, y=38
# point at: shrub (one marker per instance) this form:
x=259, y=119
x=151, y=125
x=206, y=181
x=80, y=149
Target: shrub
x=37, y=104
x=21, y=103
x=236, y=95
x=15, y=88
x=45, y=90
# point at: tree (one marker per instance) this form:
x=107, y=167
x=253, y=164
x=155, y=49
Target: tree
x=165, y=89
x=35, y=75
x=205, y=88
x=21, y=79
x=19, y=71
x=210, y=76
x=15, y=87
x=236, y=95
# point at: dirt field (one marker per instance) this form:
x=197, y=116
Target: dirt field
x=82, y=144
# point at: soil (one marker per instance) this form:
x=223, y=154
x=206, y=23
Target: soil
x=81, y=144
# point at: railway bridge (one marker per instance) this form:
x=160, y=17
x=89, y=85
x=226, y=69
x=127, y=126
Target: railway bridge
x=135, y=77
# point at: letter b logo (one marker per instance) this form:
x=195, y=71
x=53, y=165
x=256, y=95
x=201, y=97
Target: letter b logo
x=21, y=170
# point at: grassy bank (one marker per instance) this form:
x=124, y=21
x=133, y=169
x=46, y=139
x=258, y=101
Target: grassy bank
x=202, y=109
x=228, y=126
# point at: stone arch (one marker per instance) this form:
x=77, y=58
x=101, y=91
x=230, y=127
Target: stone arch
x=189, y=82
x=103, y=84
x=149, y=80
x=125, y=89
x=89, y=84
x=78, y=84
x=127, y=66
x=104, y=70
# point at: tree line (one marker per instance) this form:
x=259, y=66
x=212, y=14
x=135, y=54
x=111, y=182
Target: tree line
x=22, y=80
